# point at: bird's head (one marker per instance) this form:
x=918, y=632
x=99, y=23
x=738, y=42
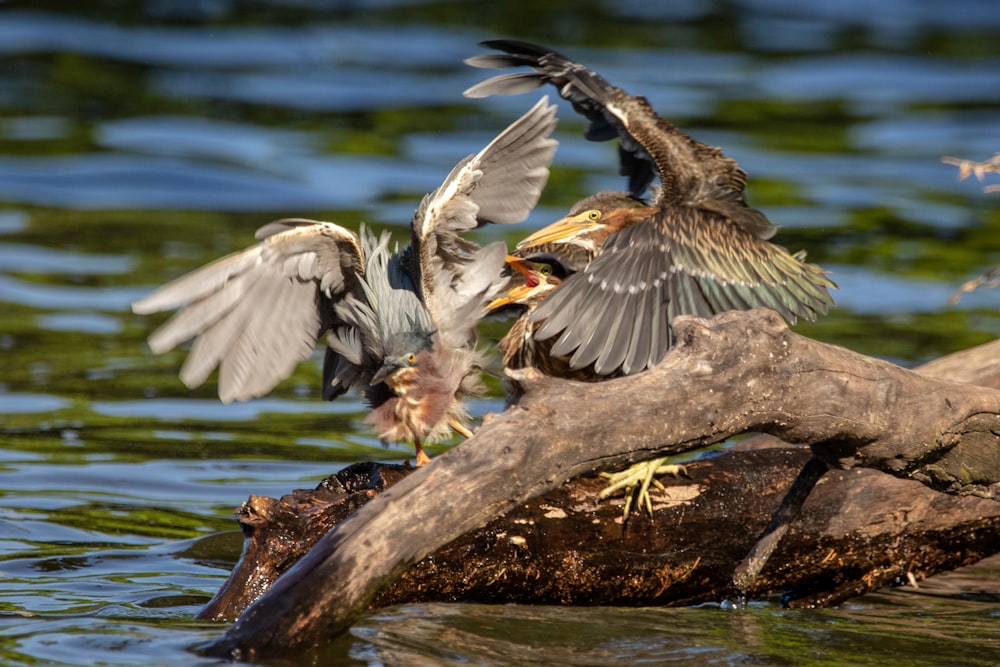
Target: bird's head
x=532, y=279
x=403, y=352
x=591, y=219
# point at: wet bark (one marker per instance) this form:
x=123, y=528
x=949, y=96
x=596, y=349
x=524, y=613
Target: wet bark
x=859, y=530
x=738, y=372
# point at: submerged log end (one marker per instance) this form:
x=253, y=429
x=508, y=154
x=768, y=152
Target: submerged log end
x=278, y=532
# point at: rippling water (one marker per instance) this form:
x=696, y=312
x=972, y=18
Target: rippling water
x=139, y=140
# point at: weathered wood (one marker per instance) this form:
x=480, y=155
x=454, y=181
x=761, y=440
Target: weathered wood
x=565, y=547
x=277, y=533
x=978, y=365
x=734, y=373
x=747, y=573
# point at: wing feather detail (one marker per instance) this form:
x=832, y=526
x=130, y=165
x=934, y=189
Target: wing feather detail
x=257, y=313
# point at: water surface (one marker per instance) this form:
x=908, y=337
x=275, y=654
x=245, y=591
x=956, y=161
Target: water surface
x=139, y=140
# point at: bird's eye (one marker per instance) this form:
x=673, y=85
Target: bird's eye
x=593, y=215
x=545, y=269
x=410, y=358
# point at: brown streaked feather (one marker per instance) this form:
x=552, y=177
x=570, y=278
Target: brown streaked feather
x=420, y=402
x=520, y=350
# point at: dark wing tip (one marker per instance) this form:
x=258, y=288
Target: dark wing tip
x=516, y=46
x=590, y=94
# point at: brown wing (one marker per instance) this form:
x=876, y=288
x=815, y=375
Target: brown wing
x=616, y=313
x=691, y=172
x=257, y=313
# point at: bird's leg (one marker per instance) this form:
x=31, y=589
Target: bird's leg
x=422, y=458
x=460, y=428
x=637, y=480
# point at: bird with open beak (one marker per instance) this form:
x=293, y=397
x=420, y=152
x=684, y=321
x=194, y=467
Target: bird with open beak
x=695, y=248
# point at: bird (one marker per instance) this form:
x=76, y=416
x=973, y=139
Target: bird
x=532, y=279
x=695, y=247
x=399, y=325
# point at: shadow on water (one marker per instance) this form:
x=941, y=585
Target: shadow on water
x=139, y=140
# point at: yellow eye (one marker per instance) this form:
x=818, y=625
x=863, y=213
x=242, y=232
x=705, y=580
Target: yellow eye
x=410, y=358
x=545, y=269
x=593, y=215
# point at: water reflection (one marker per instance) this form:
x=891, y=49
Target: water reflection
x=54, y=297
x=706, y=635
x=18, y=258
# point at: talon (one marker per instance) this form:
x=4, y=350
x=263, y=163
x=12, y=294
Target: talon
x=637, y=480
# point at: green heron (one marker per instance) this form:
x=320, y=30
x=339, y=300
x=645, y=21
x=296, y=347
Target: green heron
x=400, y=325
x=695, y=248
x=532, y=279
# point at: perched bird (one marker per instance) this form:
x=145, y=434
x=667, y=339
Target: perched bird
x=400, y=325
x=694, y=248
x=532, y=279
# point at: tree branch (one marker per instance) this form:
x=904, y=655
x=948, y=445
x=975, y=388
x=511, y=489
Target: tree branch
x=734, y=373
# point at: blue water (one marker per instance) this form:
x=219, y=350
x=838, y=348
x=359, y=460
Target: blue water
x=141, y=139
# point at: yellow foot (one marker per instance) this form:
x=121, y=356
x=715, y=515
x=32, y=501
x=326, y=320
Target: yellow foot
x=460, y=428
x=422, y=458
x=637, y=480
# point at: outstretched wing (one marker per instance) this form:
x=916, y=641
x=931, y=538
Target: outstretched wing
x=500, y=184
x=691, y=173
x=257, y=313
x=616, y=313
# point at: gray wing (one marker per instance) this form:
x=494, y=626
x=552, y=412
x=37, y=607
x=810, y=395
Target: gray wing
x=500, y=184
x=257, y=313
x=616, y=313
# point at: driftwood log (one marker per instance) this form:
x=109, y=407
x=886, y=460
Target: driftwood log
x=735, y=373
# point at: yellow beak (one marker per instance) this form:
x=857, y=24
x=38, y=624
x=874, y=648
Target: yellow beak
x=560, y=230
x=526, y=269
x=512, y=296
